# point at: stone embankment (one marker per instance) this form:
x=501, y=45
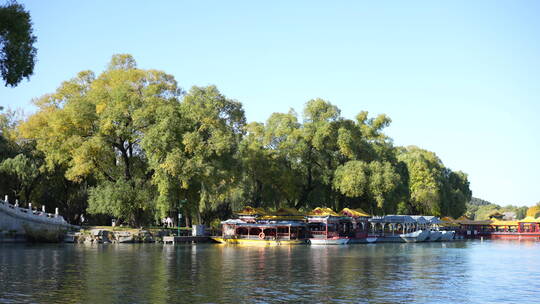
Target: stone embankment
x=110, y=235
x=104, y=236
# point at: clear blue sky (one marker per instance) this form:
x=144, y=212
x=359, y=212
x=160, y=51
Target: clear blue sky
x=460, y=78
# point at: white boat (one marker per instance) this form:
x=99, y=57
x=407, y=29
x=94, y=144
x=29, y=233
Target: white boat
x=447, y=235
x=329, y=241
x=415, y=237
x=434, y=236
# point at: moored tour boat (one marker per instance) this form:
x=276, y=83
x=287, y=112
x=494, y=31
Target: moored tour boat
x=265, y=234
x=326, y=227
x=398, y=228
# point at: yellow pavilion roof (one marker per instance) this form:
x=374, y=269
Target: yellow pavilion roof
x=354, y=212
x=530, y=219
x=322, y=212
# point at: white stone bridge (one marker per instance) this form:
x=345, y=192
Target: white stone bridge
x=18, y=220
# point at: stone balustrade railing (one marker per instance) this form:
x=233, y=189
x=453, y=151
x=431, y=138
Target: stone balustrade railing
x=29, y=215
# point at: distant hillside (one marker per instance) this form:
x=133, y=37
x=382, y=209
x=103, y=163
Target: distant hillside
x=479, y=202
x=480, y=209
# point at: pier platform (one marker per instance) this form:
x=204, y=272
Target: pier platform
x=187, y=239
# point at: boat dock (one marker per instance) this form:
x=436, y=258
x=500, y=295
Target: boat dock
x=187, y=239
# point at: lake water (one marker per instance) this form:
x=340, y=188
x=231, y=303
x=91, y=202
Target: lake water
x=457, y=272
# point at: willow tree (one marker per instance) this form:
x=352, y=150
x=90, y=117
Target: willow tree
x=94, y=127
x=434, y=189
x=194, y=152
x=269, y=179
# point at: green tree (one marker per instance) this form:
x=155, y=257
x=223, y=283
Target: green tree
x=195, y=155
x=268, y=178
x=94, y=127
x=17, y=51
x=25, y=173
x=425, y=179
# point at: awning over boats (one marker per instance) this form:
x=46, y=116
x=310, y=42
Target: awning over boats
x=354, y=212
x=420, y=219
x=233, y=222
x=273, y=224
x=400, y=219
x=284, y=214
x=449, y=221
x=465, y=221
x=434, y=220
x=322, y=212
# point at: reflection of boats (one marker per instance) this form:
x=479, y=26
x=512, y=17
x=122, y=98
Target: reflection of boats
x=328, y=228
x=268, y=233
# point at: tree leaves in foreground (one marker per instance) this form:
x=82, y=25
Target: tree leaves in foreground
x=17, y=51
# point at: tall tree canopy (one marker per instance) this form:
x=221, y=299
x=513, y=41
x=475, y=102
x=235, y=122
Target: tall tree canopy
x=130, y=144
x=94, y=127
x=17, y=51
x=434, y=189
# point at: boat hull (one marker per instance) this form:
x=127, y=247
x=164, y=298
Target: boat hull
x=336, y=241
x=415, y=237
x=260, y=242
x=434, y=236
x=447, y=236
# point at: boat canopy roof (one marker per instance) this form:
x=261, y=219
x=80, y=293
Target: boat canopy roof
x=496, y=222
x=449, y=221
x=284, y=214
x=433, y=219
x=530, y=219
x=467, y=221
x=420, y=219
x=233, y=222
x=354, y=212
x=272, y=224
x=322, y=212
x=405, y=219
